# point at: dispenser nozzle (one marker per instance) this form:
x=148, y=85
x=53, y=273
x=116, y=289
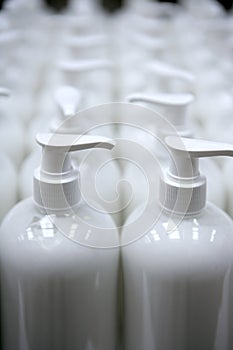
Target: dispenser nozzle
x=199, y=148
x=71, y=143
x=80, y=66
x=68, y=99
x=74, y=71
x=162, y=69
x=173, y=106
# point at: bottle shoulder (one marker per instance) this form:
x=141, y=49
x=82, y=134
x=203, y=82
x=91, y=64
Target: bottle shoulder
x=195, y=247
x=207, y=227
x=26, y=224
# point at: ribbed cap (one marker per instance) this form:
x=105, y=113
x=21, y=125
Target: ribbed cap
x=63, y=193
x=182, y=196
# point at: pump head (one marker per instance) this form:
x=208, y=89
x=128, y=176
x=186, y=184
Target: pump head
x=174, y=107
x=182, y=187
x=75, y=70
x=89, y=41
x=168, y=72
x=56, y=181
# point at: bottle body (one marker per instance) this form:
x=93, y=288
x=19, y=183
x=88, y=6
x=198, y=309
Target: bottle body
x=58, y=292
x=177, y=283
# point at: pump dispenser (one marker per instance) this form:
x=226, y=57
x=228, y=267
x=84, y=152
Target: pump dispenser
x=174, y=109
x=69, y=102
x=184, y=176
x=177, y=268
x=92, y=76
x=132, y=64
x=98, y=165
x=56, y=182
x=101, y=165
x=71, y=99
x=173, y=106
x=54, y=259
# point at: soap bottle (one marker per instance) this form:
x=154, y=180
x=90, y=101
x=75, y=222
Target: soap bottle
x=92, y=76
x=177, y=260
x=174, y=109
x=98, y=165
x=59, y=259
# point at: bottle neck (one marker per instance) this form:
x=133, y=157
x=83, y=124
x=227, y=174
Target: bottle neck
x=56, y=192
x=182, y=196
x=57, y=212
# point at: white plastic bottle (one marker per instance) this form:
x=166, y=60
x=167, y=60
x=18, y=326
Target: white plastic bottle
x=98, y=165
x=174, y=108
x=177, y=260
x=59, y=260
x=11, y=132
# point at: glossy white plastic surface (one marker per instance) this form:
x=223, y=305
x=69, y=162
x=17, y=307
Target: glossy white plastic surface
x=177, y=281
x=58, y=279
